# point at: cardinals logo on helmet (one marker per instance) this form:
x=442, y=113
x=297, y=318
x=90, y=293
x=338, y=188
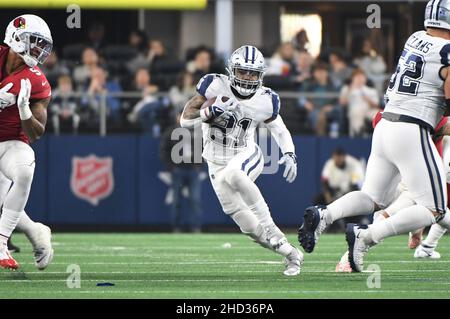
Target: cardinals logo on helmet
x=19, y=23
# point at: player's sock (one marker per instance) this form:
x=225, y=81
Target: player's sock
x=435, y=233
x=261, y=211
x=278, y=240
x=8, y=221
x=246, y=221
x=407, y=219
x=25, y=224
x=352, y=204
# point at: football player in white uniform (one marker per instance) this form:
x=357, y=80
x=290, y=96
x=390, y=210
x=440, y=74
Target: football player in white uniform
x=402, y=148
x=234, y=159
x=427, y=248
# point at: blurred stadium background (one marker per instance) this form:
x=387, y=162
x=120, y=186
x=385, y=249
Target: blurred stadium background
x=120, y=80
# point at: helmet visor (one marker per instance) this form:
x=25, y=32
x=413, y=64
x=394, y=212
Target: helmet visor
x=38, y=47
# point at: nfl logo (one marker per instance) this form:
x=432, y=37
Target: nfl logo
x=92, y=178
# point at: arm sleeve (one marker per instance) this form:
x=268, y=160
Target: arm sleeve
x=281, y=134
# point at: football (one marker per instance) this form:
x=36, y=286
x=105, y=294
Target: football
x=211, y=101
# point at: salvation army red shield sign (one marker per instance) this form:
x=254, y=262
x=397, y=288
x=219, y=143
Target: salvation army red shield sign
x=92, y=178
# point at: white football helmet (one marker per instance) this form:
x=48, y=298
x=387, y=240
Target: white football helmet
x=249, y=59
x=29, y=36
x=437, y=14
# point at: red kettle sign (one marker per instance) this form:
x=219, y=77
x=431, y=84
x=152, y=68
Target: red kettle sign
x=92, y=178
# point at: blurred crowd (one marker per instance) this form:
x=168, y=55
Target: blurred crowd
x=338, y=94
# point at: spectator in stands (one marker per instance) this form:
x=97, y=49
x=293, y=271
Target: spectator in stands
x=200, y=64
x=63, y=108
x=372, y=64
x=138, y=40
x=301, y=41
x=82, y=73
x=145, y=111
x=341, y=174
x=186, y=173
x=156, y=52
x=361, y=102
x=282, y=62
x=96, y=34
x=321, y=110
x=182, y=92
x=340, y=70
x=100, y=89
x=53, y=69
x=303, y=66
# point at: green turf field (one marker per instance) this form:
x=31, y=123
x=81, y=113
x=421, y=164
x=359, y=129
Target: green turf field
x=197, y=266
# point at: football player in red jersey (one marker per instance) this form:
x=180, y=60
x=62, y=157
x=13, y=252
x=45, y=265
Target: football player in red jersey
x=24, y=96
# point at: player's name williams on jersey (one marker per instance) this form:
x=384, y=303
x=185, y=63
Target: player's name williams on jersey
x=419, y=44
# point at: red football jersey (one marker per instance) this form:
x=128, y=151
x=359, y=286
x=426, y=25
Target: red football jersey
x=10, y=124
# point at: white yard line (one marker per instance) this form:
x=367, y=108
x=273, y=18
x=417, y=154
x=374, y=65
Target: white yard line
x=44, y=273
x=242, y=262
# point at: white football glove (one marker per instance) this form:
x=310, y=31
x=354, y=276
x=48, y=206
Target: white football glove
x=23, y=100
x=290, y=171
x=219, y=110
x=6, y=98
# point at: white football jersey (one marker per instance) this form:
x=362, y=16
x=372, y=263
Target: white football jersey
x=223, y=140
x=416, y=88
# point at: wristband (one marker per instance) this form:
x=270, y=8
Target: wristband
x=25, y=112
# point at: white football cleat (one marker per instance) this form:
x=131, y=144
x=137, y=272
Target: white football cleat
x=357, y=248
x=293, y=262
x=426, y=253
x=42, y=246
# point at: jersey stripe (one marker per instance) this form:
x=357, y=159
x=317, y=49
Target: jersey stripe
x=254, y=166
x=244, y=164
x=433, y=172
x=440, y=190
x=207, y=80
x=275, y=105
